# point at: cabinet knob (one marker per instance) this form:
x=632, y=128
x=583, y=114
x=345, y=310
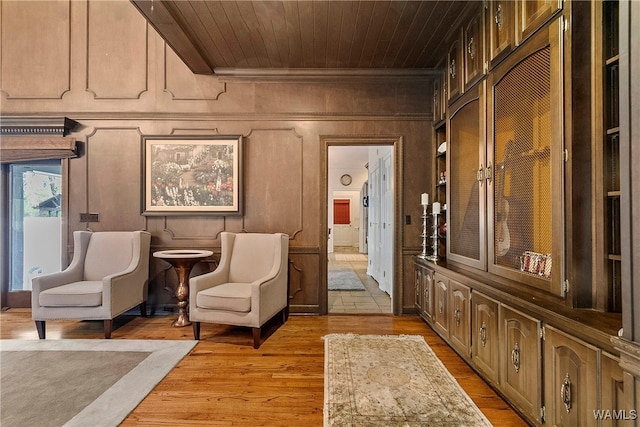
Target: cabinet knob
x=452, y=69
x=515, y=357
x=456, y=315
x=565, y=392
x=471, y=48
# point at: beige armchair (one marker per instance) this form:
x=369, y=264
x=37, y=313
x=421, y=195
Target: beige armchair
x=108, y=275
x=248, y=288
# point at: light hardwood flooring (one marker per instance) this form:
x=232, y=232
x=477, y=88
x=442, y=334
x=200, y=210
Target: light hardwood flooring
x=371, y=300
x=225, y=382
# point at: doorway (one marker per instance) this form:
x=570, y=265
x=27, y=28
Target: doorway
x=361, y=237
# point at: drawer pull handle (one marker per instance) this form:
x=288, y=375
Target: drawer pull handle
x=483, y=334
x=565, y=392
x=456, y=315
x=471, y=48
x=499, y=17
x=515, y=357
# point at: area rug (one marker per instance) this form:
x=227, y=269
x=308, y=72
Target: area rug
x=387, y=381
x=343, y=279
x=351, y=257
x=80, y=382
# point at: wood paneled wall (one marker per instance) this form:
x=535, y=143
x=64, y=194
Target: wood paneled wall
x=100, y=64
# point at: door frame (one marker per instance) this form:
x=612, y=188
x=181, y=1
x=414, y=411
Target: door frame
x=362, y=140
x=22, y=299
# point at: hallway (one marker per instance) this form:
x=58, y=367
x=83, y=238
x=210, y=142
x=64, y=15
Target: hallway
x=370, y=300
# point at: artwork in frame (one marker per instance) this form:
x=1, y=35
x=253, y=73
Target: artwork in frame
x=192, y=175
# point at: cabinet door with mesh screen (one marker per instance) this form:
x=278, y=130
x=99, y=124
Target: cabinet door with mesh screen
x=466, y=184
x=526, y=147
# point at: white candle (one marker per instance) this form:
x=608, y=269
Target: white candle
x=436, y=208
x=425, y=199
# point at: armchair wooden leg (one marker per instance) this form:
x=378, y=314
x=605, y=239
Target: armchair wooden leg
x=143, y=309
x=108, y=327
x=40, y=326
x=196, y=330
x=256, y=338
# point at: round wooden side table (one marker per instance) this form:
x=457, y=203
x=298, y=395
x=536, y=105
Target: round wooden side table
x=182, y=261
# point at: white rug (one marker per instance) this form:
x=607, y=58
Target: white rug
x=343, y=279
x=149, y=361
x=391, y=381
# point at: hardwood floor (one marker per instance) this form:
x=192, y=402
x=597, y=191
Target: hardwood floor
x=225, y=382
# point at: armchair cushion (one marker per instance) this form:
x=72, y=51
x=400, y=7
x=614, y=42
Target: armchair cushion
x=78, y=294
x=228, y=296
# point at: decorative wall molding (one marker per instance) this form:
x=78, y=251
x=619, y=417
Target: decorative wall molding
x=49, y=51
x=117, y=45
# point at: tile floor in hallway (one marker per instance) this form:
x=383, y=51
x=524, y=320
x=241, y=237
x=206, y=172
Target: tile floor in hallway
x=371, y=300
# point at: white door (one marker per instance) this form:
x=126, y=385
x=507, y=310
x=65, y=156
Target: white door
x=374, y=219
x=386, y=225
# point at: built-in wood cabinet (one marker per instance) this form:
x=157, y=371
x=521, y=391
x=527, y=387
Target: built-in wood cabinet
x=424, y=292
x=533, y=14
x=500, y=29
x=474, y=46
x=466, y=188
x=454, y=68
x=441, y=304
x=459, y=320
x=485, y=335
x=506, y=156
x=527, y=139
x=521, y=355
x=614, y=406
x=570, y=380
x=510, y=23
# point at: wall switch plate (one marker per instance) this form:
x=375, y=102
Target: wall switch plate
x=89, y=217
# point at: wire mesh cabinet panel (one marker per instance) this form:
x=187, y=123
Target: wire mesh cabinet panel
x=526, y=151
x=466, y=180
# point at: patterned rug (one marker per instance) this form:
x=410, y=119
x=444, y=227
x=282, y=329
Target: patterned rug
x=387, y=381
x=88, y=382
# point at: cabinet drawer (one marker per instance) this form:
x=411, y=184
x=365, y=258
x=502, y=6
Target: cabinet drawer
x=485, y=337
x=571, y=370
x=521, y=357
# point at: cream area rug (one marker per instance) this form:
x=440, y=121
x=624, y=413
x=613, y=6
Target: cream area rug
x=343, y=279
x=80, y=382
x=387, y=381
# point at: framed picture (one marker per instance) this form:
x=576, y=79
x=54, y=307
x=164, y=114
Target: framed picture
x=192, y=175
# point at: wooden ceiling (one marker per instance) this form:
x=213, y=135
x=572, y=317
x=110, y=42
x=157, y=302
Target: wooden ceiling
x=235, y=36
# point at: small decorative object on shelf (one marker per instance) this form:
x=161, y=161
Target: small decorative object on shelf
x=435, y=211
x=425, y=203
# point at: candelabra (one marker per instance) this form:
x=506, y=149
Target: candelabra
x=434, y=237
x=424, y=255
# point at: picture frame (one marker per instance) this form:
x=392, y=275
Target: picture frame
x=192, y=174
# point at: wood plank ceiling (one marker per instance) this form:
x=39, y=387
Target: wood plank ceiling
x=223, y=36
